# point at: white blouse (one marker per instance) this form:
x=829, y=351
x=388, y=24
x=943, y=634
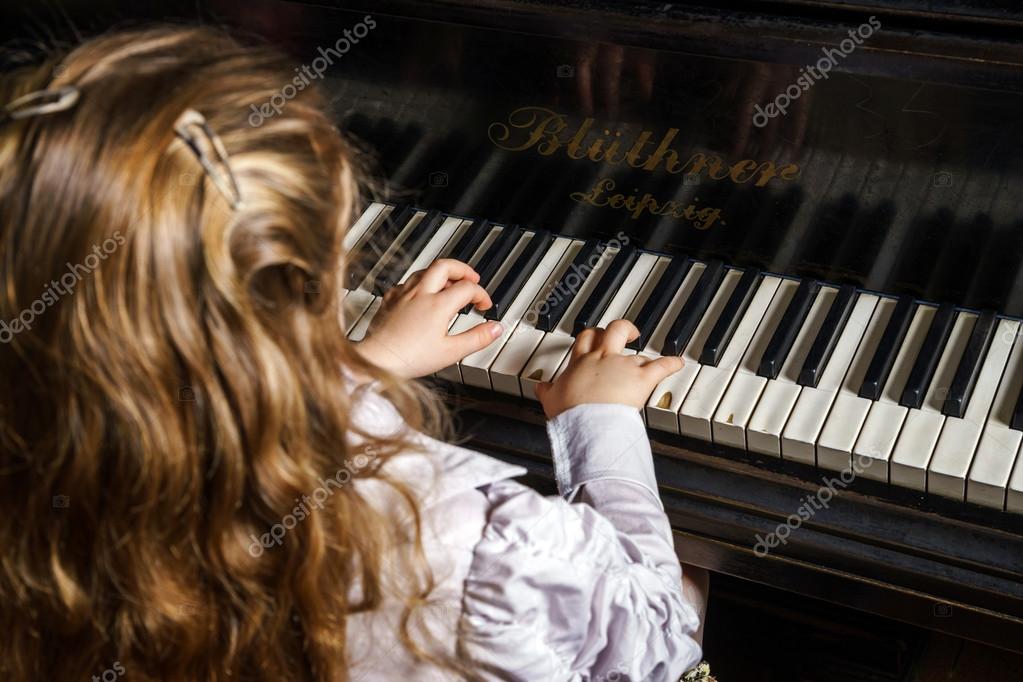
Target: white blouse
x=585, y=586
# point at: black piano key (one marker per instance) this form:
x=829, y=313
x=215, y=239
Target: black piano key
x=382, y=237
x=523, y=267
x=888, y=348
x=927, y=361
x=732, y=313
x=692, y=312
x=553, y=308
x=470, y=240
x=1017, y=414
x=496, y=256
x=966, y=374
x=401, y=261
x=827, y=337
x=788, y=328
x=660, y=298
x=610, y=281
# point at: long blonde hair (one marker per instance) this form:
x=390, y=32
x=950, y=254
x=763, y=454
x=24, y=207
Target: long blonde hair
x=175, y=396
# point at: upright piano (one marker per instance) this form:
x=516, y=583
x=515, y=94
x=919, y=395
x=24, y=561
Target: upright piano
x=818, y=204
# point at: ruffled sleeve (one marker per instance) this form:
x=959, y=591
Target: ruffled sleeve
x=556, y=592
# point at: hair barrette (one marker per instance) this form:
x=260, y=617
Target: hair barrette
x=41, y=102
x=188, y=124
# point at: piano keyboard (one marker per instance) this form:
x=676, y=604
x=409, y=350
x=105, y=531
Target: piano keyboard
x=921, y=396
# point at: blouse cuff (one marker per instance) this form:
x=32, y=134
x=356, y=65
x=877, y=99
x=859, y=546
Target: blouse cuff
x=601, y=442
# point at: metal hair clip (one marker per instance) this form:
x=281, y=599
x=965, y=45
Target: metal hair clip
x=185, y=127
x=41, y=102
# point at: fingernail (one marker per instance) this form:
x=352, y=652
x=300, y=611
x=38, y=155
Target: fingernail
x=496, y=329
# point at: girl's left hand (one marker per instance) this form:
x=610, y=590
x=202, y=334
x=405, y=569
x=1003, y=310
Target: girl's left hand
x=409, y=334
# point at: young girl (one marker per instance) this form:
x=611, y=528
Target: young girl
x=202, y=479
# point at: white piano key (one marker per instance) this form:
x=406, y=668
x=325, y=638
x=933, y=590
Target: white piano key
x=370, y=217
x=876, y=440
x=950, y=464
x=999, y=444
x=711, y=382
x=763, y=434
x=554, y=346
x=848, y=412
x=665, y=402
x=622, y=302
x=922, y=427
x=476, y=367
x=799, y=438
x=740, y=399
x=521, y=344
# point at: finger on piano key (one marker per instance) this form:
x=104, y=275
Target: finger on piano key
x=519, y=348
x=730, y=317
x=652, y=313
x=694, y=311
x=849, y=410
x=804, y=426
x=611, y=280
x=922, y=427
x=960, y=435
x=927, y=361
x=958, y=398
x=789, y=328
x=622, y=298
x=476, y=368
x=522, y=270
x=779, y=396
x=411, y=246
x=891, y=344
x=712, y=380
x=563, y=294
x=554, y=347
x=827, y=337
x=740, y=399
x=666, y=400
x=357, y=328
x=876, y=440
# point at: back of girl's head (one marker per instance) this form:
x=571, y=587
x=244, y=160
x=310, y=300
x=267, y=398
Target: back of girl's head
x=171, y=373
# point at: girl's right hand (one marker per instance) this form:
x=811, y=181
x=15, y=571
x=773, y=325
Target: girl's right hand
x=598, y=372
